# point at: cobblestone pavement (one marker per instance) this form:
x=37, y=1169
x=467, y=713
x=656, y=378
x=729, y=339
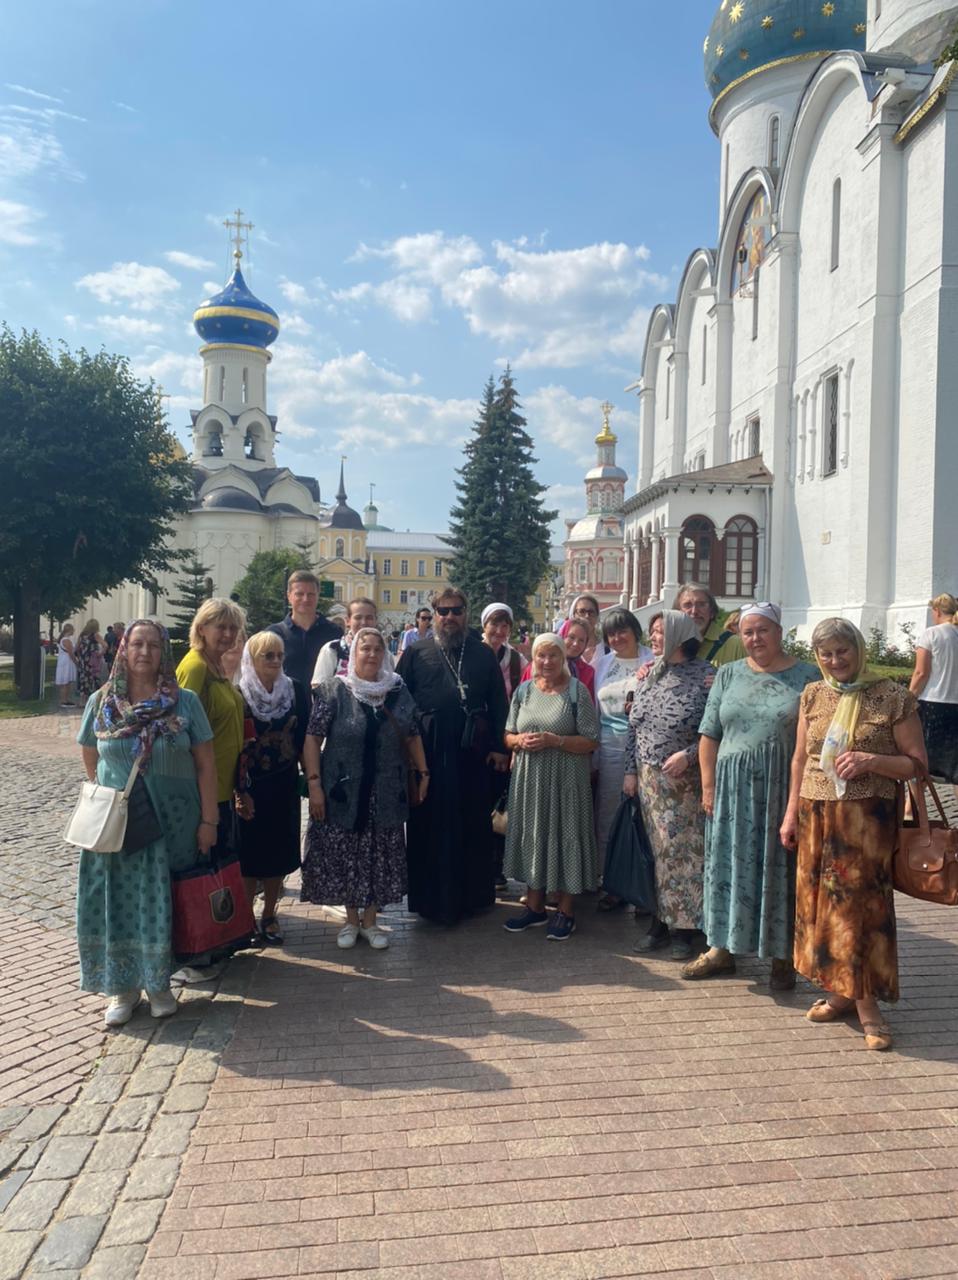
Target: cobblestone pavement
x=477, y=1106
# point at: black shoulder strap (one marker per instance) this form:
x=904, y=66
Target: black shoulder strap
x=717, y=644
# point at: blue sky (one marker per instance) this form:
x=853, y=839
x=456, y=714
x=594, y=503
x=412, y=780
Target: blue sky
x=436, y=189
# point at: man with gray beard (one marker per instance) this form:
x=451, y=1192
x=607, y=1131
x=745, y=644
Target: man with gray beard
x=458, y=688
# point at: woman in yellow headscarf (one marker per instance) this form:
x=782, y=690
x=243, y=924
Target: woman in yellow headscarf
x=858, y=736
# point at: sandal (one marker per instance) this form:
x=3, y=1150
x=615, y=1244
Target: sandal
x=707, y=966
x=269, y=931
x=824, y=1011
x=877, y=1036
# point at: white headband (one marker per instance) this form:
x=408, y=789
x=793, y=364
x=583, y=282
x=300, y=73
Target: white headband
x=492, y=609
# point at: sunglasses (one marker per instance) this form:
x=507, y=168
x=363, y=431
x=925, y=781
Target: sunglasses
x=457, y=610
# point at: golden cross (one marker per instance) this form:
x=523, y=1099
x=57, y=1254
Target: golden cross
x=240, y=226
x=607, y=410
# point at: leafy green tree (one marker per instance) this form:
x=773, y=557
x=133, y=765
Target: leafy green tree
x=193, y=588
x=499, y=531
x=262, y=589
x=91, y=484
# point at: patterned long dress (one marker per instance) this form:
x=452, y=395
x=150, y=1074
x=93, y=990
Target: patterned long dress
x=749, y=882
x=665, y=719
x=89, y=662
x=124, y=904
x=550, y=839
x=845, y=937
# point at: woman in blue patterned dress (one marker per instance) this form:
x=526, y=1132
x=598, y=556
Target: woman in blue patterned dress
x=748, y=736
x=124, y=903
x=662, y=769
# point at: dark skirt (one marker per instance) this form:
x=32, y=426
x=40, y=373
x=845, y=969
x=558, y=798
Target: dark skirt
x=939, y=720
x=268, y=844
x=845, y=939
x=354, y=868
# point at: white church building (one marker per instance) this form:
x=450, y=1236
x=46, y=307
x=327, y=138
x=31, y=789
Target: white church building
x=799, y=397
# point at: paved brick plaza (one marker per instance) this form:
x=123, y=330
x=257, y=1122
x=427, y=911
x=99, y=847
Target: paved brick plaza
x=470, y=1104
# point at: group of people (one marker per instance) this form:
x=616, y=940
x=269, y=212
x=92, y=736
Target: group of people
x=84, y=660
x=766, y=785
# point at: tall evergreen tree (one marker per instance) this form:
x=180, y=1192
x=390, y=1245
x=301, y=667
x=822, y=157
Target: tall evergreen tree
x=192, y=589
x=499, y=531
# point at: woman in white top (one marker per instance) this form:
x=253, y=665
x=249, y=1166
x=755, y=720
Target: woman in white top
x=66, y=672
x=935, y=684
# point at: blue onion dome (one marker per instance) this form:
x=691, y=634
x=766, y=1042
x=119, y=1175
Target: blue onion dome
x=235, y=315
x=749, y=36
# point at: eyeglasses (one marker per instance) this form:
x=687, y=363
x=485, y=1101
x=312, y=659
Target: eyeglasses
x=585, y=613
x=425, y=617
x=457, y=610
x=273, y=654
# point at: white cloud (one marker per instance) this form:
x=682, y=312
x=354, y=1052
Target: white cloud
x=32, y=93
x=558, y=308
x=296, y=325
x=188, y=260
x=209, y=288
x=127, y=326
x=125, y=106
x=295, y=293
x=17, y=224
x=568, y=422
x=131, y=283
x=174, y=372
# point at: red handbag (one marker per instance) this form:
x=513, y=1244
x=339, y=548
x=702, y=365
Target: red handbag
x=925, y=863
x=210, y=909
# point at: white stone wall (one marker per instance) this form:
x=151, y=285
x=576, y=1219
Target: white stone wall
x=918, y=28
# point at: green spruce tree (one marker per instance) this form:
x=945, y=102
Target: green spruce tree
x=192, y=589
x=499, y=531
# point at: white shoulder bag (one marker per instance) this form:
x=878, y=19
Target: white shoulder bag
x=98, y=821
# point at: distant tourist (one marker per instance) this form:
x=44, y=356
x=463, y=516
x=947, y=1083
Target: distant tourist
x=935, y=685
x=66, y=672
x=586, y=609
x=858, y=735
x=719, y=644
x=304, y=630
x=88, y=656
x=745, y=751
x=114, y=634
x=457, y=686
x=421, y=630
x=124, y=903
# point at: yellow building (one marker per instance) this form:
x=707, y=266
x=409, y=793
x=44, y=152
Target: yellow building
x=406, y=568
x=544, y=605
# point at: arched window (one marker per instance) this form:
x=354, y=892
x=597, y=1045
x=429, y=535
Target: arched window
x=338, y=591
x=699, y=551
x=741, y=546
x=222, y=395
x=583, y=570
x=246, y=386
x=213, y=446
x=774, y=141
x=340, y=547
x=645, y=571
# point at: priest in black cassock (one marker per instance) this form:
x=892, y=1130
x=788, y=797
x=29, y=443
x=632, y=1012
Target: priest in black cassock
x=458, y=688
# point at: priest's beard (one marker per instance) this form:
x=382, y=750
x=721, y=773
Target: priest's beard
x=450, y=641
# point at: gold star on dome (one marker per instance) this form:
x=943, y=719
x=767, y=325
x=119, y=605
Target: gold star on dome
x=720, y=49
x=828, y=9
x=798, y=33
x=861, y=28
x=743, y=54
x=767, y=23
x=736, y=11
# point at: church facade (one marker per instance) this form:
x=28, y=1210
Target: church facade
x=593, y=545
x=797, y=396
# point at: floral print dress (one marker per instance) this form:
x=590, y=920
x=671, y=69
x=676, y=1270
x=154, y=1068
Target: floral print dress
x=665, y=719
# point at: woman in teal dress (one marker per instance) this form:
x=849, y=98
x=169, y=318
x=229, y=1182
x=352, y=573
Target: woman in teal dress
x=748, y=736
x=124, y=905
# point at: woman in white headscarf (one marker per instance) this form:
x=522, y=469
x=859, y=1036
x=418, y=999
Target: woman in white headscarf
x=497, y=622
x=363, y=735
x=662, y=769
x=276, y=711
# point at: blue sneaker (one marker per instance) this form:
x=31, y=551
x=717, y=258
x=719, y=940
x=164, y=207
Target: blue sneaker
x=562, y=927
x=528, y=920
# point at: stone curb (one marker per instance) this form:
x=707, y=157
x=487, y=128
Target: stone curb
x=88, y=1182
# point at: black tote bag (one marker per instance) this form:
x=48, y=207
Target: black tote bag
x=629, y=863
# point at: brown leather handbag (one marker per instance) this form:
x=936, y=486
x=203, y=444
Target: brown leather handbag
x=925, y=863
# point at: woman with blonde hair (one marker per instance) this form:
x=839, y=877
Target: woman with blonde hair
x=213, y=633
x=858, y=736
x=66, y=672
x=88, y=656
x=935, y=685
x=277, y=712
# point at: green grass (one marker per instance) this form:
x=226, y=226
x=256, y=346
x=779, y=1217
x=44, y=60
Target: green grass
x=10, y=705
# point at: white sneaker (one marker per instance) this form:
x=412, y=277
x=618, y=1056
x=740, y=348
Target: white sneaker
x=347, y=936
x=120, y=1009
x=162, y=1003
x=377, y=938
